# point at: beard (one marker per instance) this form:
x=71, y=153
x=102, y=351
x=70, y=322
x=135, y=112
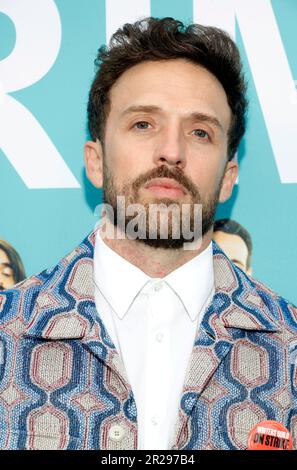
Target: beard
x=172, y=236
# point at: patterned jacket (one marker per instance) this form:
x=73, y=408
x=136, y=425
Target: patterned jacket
x=63, y=384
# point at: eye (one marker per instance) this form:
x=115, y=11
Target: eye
x=141, y=125
x=6, y=271
x=7, y=274
x=202, y=134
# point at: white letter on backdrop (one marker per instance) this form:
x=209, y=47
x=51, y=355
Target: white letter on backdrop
x=22, y=139
x=270, y=69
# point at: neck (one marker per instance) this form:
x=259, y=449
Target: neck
x=155, y=262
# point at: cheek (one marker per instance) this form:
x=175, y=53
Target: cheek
x=7, y=281
x=126, y=161
x=115, y=158
x=11, y=281
x=205, y=177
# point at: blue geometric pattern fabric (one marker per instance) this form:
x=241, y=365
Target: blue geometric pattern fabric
x=63, y=384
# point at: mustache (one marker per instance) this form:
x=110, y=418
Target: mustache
x=165, y=172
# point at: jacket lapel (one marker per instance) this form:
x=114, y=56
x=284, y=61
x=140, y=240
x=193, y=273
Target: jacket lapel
x=65, y=308
x=236, y=307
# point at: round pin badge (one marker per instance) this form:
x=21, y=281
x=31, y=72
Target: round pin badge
x=269, y=435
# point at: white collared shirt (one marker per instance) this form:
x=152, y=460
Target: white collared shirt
x=153, y=323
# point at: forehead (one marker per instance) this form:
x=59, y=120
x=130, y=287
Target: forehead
x=177, y=86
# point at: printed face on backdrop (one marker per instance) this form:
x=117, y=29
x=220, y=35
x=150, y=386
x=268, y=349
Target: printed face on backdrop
x=235, y=248
x=6, y=272
x=166, y=140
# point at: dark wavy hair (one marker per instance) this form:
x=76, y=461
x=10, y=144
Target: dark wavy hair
x=15, y=261
x=152, y=39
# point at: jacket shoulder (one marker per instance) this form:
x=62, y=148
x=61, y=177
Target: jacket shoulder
x=283, y=310
x=19, y=301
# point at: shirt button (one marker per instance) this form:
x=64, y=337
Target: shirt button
x=159, y=337
x=116, y=432
x=155, y=420
x=158, y=286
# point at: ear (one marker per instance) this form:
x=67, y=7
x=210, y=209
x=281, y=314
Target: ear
x=229, y=179
x=93, y=155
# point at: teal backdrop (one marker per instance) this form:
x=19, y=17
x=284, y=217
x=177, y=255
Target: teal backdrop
x=46, y=222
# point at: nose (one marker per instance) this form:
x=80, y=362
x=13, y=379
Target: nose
x=170, y=147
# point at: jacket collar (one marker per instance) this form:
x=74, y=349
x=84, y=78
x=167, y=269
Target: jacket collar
x=241, y=301
x=65, y=307
x=239, y=304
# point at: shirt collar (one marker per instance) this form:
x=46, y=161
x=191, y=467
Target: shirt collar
x=193, y=282
x=119, y=280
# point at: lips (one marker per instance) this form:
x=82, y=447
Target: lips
x=165, y=185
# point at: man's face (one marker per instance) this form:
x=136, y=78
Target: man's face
x=235, y=248
x=6, y=272
x=168, y=126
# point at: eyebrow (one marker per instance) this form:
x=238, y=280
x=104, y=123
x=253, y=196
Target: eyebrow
x=6, y=265
x=197, y=116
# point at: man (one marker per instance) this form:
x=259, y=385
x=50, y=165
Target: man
x=236, y=242
x=153, y=341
